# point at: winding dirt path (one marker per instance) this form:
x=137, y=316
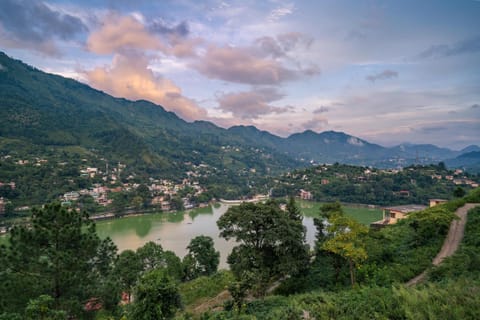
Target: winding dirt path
x=452, y=241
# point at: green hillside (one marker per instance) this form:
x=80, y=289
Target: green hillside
x=62, y=121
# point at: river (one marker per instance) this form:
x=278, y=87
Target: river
x=175, y=230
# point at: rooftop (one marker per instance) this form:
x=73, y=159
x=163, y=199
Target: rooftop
x=407, y=208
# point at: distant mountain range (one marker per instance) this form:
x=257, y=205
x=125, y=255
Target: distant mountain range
x=40, y=111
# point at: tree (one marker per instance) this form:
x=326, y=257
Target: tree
x=87, y=204
x=176, y=203
x=293, y=212
x=329, y=209
x=137, y=202
x=459, y=192
x=127, y=268
x=42, y=308
x=347, y=241
x=58, y=255
x=156, y=297
x=144, y=193
x=271, y=243
x=327, y=259
x=173, y=265
x=201, y=259
x=119, y=201
x=151, y=256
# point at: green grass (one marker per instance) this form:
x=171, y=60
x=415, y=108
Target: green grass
x=3, y=239
x=361, y=214
x=204, y=288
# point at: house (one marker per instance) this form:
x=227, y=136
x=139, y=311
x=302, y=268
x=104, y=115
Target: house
x=434, y=202
x=157, y=200
x=305, y=195
x=165, y=206
x=392, y=214
x=71, y=196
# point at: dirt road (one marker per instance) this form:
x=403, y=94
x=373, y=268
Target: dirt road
x=452, y=241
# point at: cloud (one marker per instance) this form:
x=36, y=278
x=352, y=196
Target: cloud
x=283, y=43
x=249, y=65
x=34, y=25
x=240, y=65
x=252, y=104
x=322, y=109
x=384, y=75
x=123, y=33
x=470, y=45
x=270, y=46
x=182, y=29
x=475, y=106
x=317, y=123
x=280, y=12
x=120, y=33
x=130, y=77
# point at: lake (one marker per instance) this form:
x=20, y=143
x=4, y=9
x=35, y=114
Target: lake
x=175, y=230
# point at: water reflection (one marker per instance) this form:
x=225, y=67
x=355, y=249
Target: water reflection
x=174, y=230
x=142, y=229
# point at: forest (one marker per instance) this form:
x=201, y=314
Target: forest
x=58, y=268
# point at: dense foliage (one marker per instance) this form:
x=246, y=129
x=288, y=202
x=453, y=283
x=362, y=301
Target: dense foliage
x=201, y=259
x=60, y=256
x=395, y=254
x=58, y=268
x=271, y=243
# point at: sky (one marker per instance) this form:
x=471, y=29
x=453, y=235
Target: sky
x=389, y=72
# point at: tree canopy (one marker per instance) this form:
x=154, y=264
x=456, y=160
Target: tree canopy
x=202, y=259
x=271, y=242
x=59, y=255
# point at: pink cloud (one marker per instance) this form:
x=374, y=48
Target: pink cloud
x=122, y=32
x=130, y=77
x=241, y=65
x=268, y=61
x=252, y=104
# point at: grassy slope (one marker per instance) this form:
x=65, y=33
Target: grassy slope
x=361, y=214
x=454, y=292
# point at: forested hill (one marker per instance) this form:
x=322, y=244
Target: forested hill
x=42, y=113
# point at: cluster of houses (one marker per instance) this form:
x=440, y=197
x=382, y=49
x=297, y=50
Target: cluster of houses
x=98, y=193
x=160, y=190
x=392, y=214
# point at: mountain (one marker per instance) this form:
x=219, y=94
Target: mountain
x=331, y=146
x=44, y=111
x=470, y=149
x=41, y=113
x=469, y=161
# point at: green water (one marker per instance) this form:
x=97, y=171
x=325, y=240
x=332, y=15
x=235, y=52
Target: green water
x=174, y=230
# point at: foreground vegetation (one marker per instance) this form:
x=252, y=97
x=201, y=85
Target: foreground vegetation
x=60, y=269
x=402, y=251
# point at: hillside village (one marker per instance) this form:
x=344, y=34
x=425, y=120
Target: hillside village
x=354, y=184
x=106, y=182
x=96, y=184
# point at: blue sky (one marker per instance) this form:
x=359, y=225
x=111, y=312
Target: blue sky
x=385, y=71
